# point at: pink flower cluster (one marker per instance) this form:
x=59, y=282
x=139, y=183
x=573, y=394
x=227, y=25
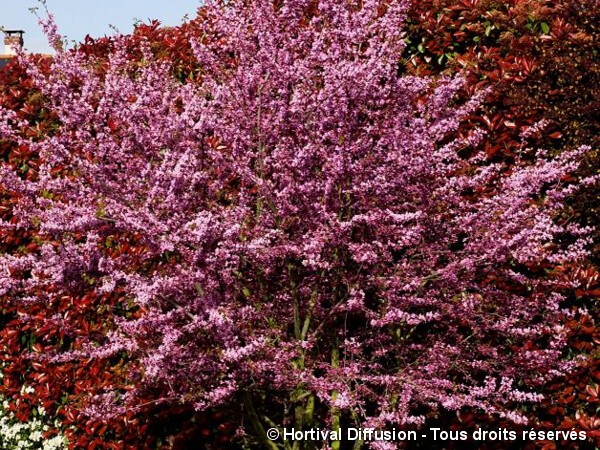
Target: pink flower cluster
x=312, y=226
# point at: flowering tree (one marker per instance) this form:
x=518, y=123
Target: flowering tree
x=296, y=222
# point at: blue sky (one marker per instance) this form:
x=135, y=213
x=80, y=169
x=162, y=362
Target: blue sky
x=76, y=18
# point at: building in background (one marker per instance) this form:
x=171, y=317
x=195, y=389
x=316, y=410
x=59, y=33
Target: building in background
x=13, y=40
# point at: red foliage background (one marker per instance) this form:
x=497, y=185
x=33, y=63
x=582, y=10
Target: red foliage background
x=539, y=59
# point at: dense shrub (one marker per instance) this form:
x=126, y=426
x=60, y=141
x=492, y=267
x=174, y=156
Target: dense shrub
x=540, y=59
x=295, y=221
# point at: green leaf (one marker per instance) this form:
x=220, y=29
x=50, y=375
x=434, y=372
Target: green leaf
x=545, y=28
x=47, y=194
